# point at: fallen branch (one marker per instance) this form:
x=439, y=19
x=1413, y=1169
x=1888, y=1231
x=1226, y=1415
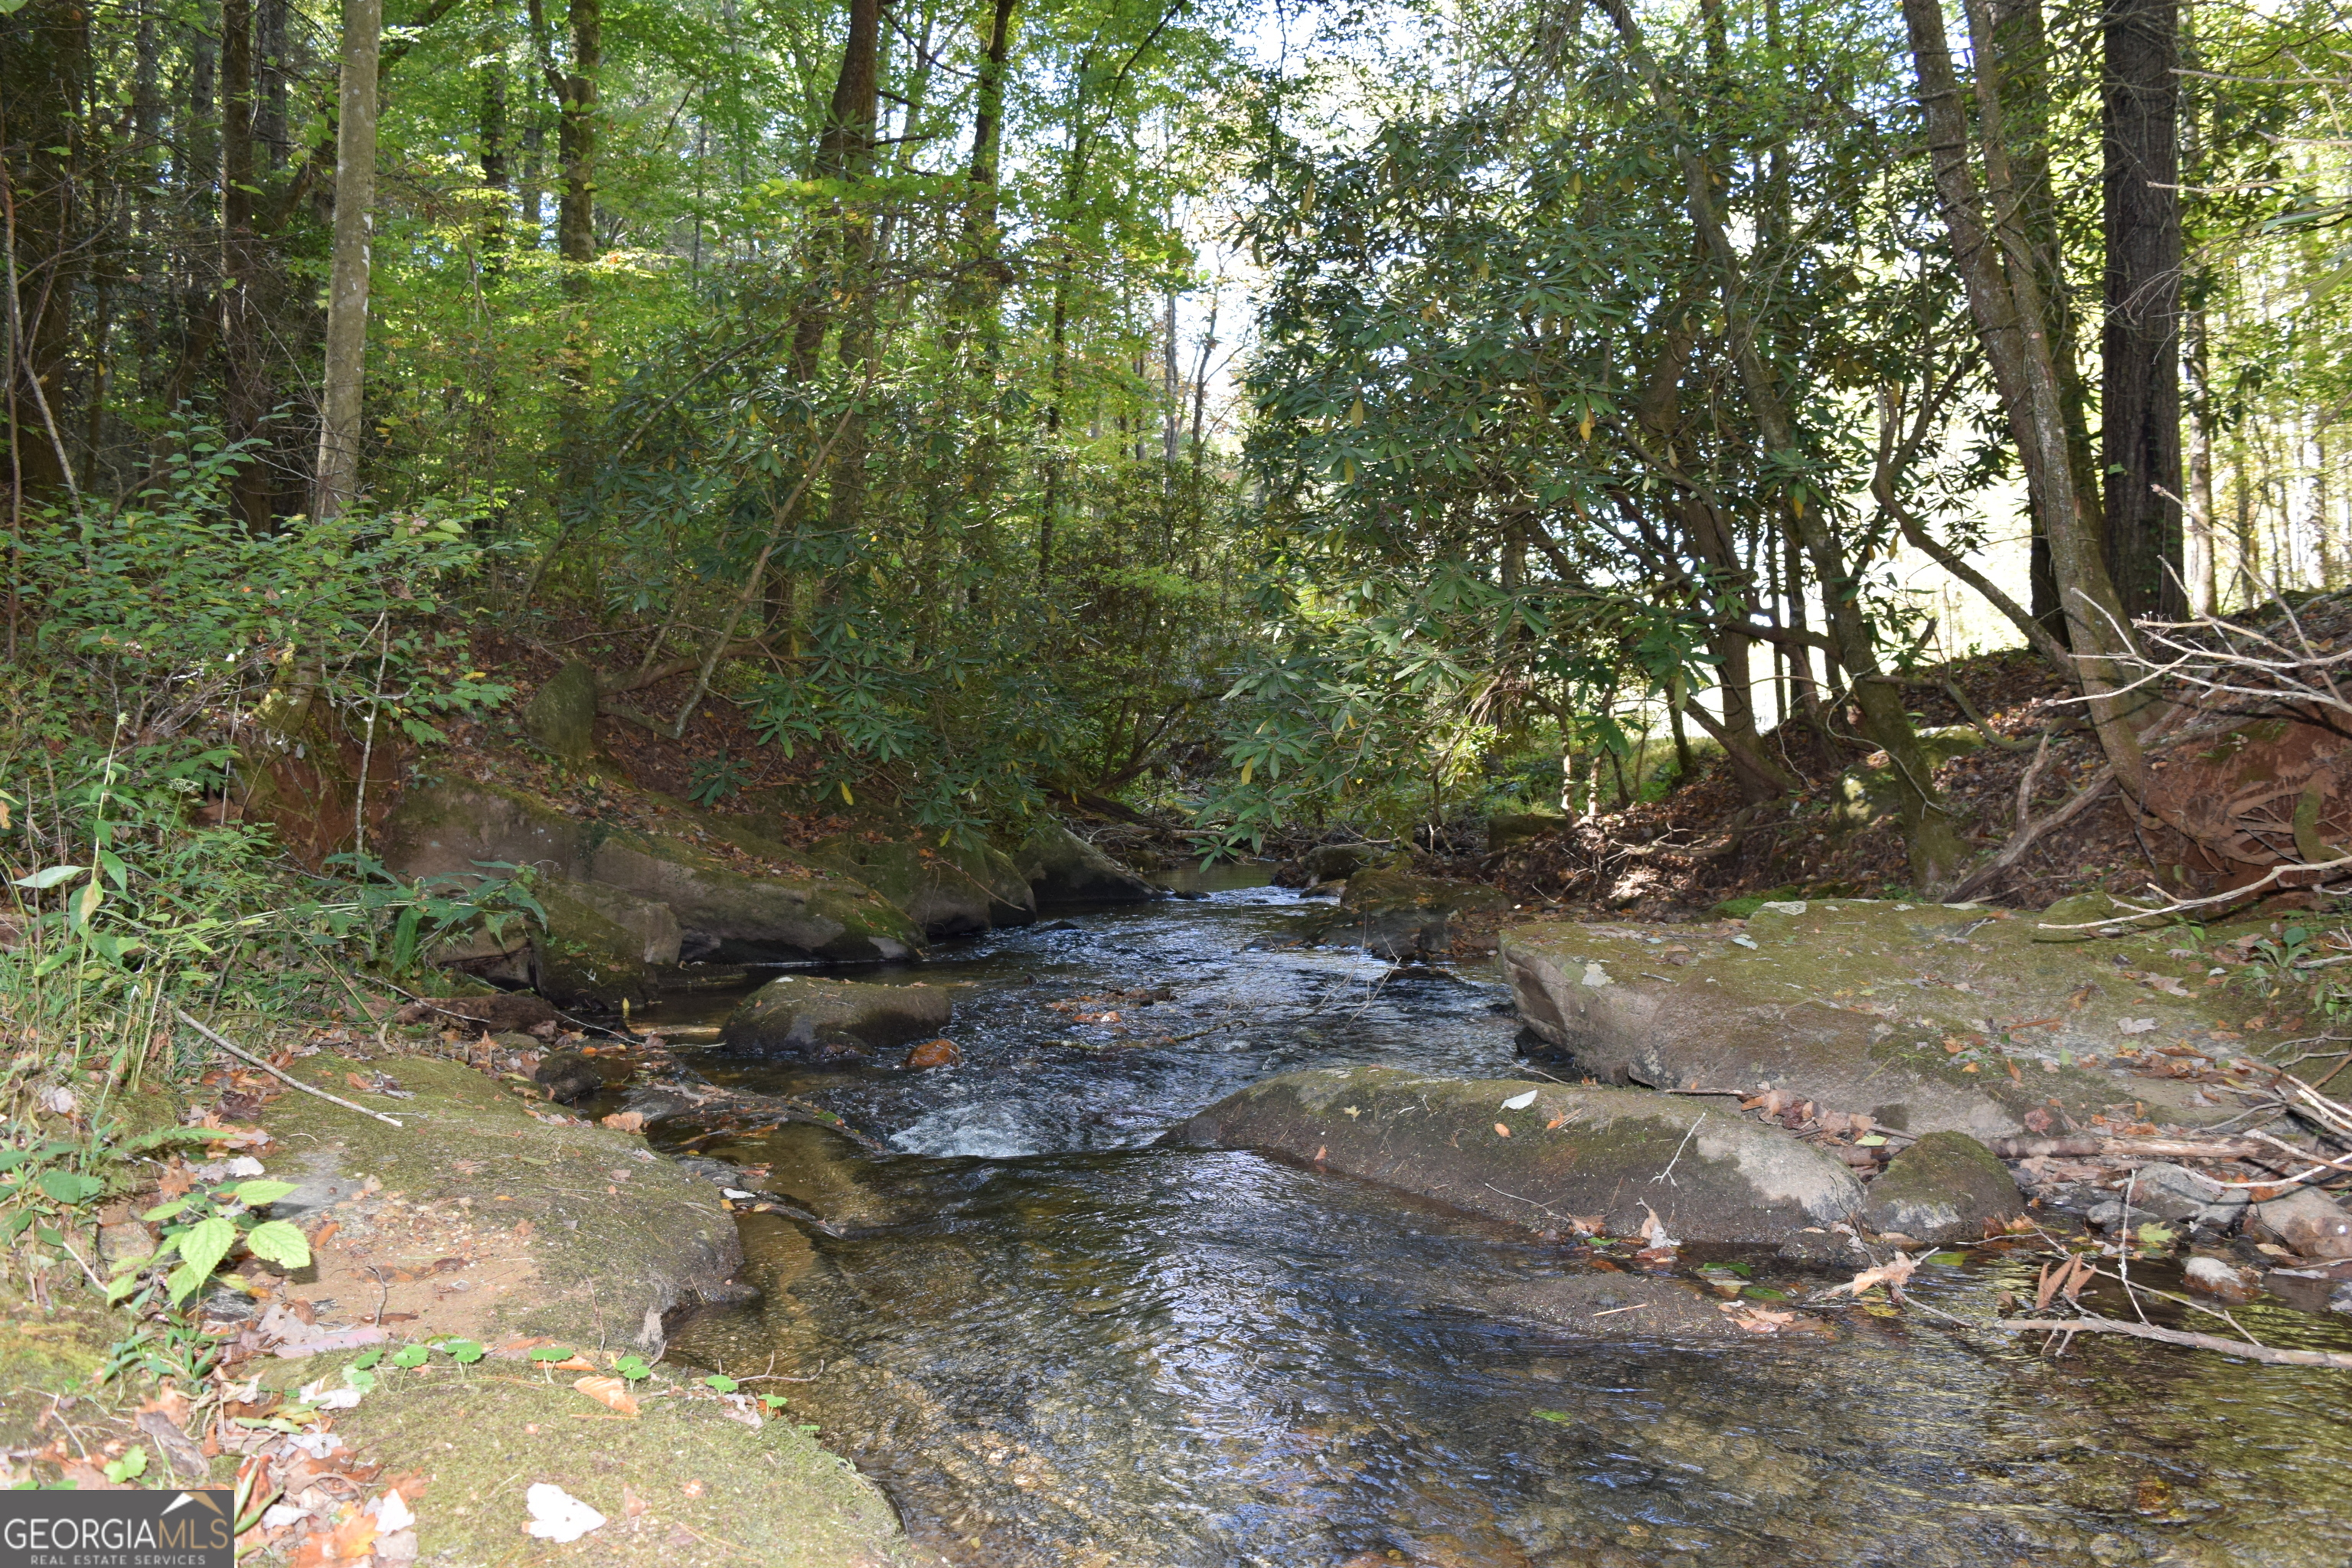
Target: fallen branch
x=2124, y=1148
x=2029, y=831
x=246, y=1055
x=2091, y=1325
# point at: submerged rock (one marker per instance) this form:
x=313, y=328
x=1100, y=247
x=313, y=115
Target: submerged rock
x=2307, y=1221
x=1063, y=869
x=797, y=1013
x=1337, y=862
x=567, y=1075
x=1396, y=914
x=934, y=1054
x=1873, y=1008
x=1946, y=1187
x=736, y=896
x=951, y=891
x=1621, y=1154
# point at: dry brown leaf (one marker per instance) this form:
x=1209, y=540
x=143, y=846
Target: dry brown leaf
x=1501, y=1130
x=609, y=1392
x=1555, y=1124
x=626, y=1122
x=1892, y=1274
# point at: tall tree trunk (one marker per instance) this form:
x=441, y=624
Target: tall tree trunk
x=269, y=76
x=2021, y=53
x=574, y=85
x=492, y=234
x=44, y=76
x=2198, y=551
x=347, y=289
x=1057, y=377
x=246, y=401
x=1997, y=268
x=2140, y=403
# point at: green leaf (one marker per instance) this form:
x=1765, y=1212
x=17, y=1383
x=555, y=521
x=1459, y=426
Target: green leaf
x=70, y=1187
x=48, y=877
x=410, y=1356
x=633, y=1368
x=129, y=1467
x=162, y=1212
x=548, y=1352
x=183, y=1282
x=1947, y=1258
x=254, y=1194
x=204, y=1244
x=1562, y=1416
x=359, y=1377
x=1763, y=1293
x=465, y=1352
x=772, y=1401
x=276, y=1241
x=367, y=1358
x=721, y=1381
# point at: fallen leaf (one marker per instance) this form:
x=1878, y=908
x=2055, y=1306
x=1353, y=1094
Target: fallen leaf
x=609, y=1392
x=626, y=1122
x=1892, y=1274
x=692, y=1489
x=1501, y=1130
x=392, y=1513
x=1555, y=1124
x=1520, y=1101
x=2135, y=1025
x=557, y=1515
x=632, y=1505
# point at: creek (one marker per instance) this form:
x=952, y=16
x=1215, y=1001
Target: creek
x=1055, y=1345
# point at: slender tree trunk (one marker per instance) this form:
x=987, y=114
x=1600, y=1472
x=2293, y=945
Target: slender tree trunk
x=573, y=86
x=2199, y=551
x=347, y=288
x=44, y=76
x=246, y=400
x=1997, y=268
x=2140, y=403
x=269, y=74
x=495, y=181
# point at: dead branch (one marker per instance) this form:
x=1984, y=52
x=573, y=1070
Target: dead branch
x=2088, y=1324
x=2029, y=831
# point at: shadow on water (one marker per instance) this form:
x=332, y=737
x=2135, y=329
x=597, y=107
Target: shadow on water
x=1055, y=1345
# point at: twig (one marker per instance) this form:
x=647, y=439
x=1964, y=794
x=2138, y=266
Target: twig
x=1667, y=1174
x=246, y=1055
x=2092, y=1325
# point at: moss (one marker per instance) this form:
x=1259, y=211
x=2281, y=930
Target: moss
x=713, y=1491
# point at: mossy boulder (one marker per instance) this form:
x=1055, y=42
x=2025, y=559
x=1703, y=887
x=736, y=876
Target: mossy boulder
x=562, y=714
x=736, y=896
x=804, y=1013
x=569, y=1230
x=1396, y=914
x=1063, y=869
x=1946, y=1187
x=1865, y=794
x=1509, y=830
x=1337, y=862
x=1913, y=1014
x=951, y=891
x=1567, y=1151
x=600, y=945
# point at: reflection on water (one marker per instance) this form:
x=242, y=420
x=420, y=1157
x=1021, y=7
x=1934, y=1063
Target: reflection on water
x=1055, y=1345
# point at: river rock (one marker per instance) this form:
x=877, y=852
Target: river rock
x=1874, y=1007
x=1396, y=914
x=567, y=1075
x=562, y=714
x=1946, y=1187
x=737, y=897
x=800, y=1013
x=599, y=944
x=2305, y=1220
x=1063, y=869
x=1618, y=1153
x=951, y=891
x=1337, y=862
x=934, y=1054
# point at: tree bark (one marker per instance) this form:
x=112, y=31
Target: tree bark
x=43, y=76
x=1999, y=272
x=246, y=396
x=2140, y=430
x=347, y=288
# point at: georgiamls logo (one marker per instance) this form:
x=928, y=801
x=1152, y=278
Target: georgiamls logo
x=116, y=1530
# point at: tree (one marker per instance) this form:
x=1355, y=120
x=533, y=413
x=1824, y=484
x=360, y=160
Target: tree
x=2140, y=395
x=347, y=287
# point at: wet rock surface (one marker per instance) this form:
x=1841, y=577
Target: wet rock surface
x=948, y=892
x=1063, y=870
x=806, y=1015
x=1880, y=1008
x=1396, y=914
x=1540, y=1156
x=2307, y=1221
x=1945, y=1187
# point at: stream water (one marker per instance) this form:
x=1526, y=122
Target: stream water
x=1055, y=1345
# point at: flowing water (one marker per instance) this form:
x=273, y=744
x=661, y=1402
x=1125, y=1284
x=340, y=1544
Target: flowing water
x=1055, y=1345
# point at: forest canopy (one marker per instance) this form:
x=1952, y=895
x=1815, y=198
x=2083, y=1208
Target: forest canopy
x=1271, y=412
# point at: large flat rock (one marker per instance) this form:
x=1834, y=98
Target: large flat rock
x=1858, y=1004
x=803, y=1013
x=1619, y=1153
x=736, y=896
